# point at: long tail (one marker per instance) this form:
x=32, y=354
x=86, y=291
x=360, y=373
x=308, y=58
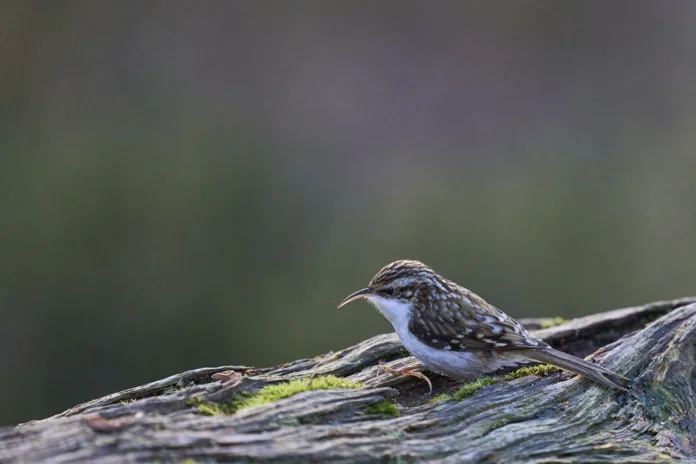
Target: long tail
x=575, y=365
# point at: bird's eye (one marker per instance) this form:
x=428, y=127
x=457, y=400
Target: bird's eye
x=389, y=290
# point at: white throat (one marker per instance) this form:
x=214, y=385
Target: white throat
x=395, y=311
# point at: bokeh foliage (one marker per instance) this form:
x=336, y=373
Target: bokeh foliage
x=184, y=186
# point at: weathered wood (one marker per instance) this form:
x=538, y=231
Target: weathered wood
x=557, y=419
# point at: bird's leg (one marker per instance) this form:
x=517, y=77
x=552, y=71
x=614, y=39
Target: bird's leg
x=413, y=371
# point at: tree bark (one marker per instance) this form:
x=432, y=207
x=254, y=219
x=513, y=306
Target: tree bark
x=560, y=418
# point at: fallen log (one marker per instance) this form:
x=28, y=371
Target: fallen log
x=342, y=407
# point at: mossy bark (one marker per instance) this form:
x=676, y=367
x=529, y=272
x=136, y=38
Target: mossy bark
x=559, y=418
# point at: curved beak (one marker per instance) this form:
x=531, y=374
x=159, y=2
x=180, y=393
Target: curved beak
x=365, y=292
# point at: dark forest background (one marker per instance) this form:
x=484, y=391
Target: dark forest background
x=188, y=184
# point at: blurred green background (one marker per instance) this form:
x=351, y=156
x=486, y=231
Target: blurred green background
x=188, y=184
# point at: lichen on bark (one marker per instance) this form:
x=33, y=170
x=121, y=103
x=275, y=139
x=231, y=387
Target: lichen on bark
x=527, y=416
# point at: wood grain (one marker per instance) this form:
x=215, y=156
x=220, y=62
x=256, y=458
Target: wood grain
x=561, y=418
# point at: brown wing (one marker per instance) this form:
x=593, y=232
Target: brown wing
x=460, y=320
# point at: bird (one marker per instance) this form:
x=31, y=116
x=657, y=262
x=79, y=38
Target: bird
x=455, y=332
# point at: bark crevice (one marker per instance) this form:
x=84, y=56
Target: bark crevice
x=554, y=419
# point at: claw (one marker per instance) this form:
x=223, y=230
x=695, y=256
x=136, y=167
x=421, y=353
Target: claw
x=413, y=371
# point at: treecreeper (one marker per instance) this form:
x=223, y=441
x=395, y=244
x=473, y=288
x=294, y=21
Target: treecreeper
x=455, y=332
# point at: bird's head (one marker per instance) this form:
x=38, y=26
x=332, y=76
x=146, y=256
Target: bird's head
x=395, y=287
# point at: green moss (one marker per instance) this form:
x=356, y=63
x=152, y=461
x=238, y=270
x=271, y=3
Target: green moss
x=499, y=424
x=511, y=419
x=171, y=389
x=272, y=393
x=384, y=407
x=210, y=408
x=290, y=421
x=548, y=323
x=469, y=389
x=542, y=370
x=438, y=398
x=280, y=391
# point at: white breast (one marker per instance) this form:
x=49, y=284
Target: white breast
x=460, y=365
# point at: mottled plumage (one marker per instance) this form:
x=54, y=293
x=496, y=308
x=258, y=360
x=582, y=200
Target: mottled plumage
x=456, y=332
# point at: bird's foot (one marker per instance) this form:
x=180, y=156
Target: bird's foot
x=413, y=371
